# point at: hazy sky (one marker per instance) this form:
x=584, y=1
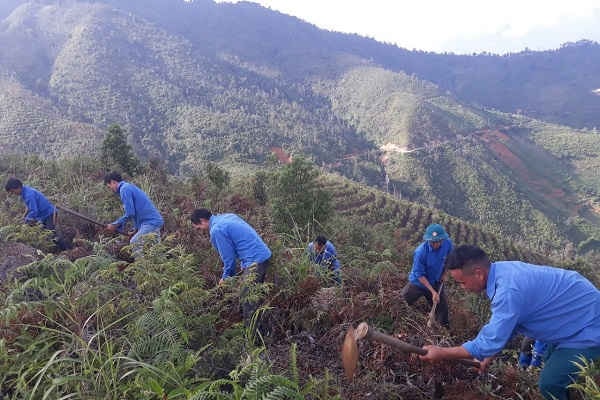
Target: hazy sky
x=454, y=25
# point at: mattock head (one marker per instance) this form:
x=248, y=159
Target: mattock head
x=350, y=354
x=350, y=349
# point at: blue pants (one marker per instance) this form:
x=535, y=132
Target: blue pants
x=559, y=370
x=138, y=239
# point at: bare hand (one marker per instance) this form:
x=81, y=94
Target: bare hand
x=435, y=296
x=221, y=282
x=111, y=228
x=483, y=366
x=434, y=353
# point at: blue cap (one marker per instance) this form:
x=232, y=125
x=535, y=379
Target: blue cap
x=435, y=233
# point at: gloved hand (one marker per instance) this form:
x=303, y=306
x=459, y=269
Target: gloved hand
x=536, y=360
x=524, y=360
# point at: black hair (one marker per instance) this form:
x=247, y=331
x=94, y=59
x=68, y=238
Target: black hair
x=112, y=176
x=13, y=183
x=321, y=240
x=200, y=213
x=467, y=256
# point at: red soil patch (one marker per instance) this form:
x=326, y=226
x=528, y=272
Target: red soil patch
x=496, y=143
x=281, y=155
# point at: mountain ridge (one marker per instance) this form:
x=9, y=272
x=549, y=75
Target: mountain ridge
x=187, y=92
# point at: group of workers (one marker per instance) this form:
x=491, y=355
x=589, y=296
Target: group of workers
x=558, y=308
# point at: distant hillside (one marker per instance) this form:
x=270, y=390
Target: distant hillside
x=200, y=81
x=31, y=124
x=101, y=66
x=552, y=85
x=402, y=110
x=494, y=169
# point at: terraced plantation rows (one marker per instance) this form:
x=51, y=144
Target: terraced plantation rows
x=407, y=221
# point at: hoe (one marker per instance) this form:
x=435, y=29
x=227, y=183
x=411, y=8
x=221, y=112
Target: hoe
x=363, y=331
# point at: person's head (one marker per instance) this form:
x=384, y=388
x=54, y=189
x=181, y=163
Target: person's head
x=200, y=219
x=112, y=180
x=469, y=266
x=319, y=243
x=435, y=235
x=13, y=186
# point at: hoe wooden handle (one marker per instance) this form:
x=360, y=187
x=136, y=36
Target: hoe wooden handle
x=364, y=331
x=376, y=336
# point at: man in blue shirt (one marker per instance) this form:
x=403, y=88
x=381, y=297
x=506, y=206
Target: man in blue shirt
x=39, y=209
x=427, y=272
x=322, y=252
x=558, y=307
x=235, y=239
x=138, y=207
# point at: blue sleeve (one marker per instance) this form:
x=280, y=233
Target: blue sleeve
x=226, y=250
x=127, y=199
x=32, y=208
x=419, y=266
x=330, y=258
x=495, y=334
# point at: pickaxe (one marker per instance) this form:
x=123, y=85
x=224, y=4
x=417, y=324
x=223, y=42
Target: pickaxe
x=363, y=331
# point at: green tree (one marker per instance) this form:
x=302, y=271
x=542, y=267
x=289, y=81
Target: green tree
x=219, y=181
x=117, y=153
x=298, y=202
x=259, y=188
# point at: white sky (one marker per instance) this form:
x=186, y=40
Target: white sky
x=454, y=25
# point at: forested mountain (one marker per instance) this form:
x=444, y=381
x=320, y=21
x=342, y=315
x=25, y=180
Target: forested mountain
x=554, y=85
x=207, y=94
x=507, y=172
x=198, y=81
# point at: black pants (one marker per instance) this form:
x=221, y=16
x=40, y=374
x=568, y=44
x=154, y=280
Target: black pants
x=412, y=293
x=252, y=275
x=59, y=240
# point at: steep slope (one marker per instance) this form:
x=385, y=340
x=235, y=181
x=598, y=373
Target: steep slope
x=107, y=66
x=400, y=110
x=31, y=124
x=165, y=312
x=403, y=222
x=477, y=164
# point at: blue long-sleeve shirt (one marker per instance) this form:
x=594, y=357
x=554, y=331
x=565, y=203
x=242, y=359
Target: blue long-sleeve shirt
x=429, y=263
x=235, y=239
x=137, y=206
x=327, y=258
x=553, y=305
x=38, y=206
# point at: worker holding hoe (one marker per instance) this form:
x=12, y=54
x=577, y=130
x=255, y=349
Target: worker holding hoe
x=138, y=207
x=39, y=208
x=425, y=278
x=558, y=307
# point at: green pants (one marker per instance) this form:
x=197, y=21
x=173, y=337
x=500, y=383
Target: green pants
x=559, y=370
